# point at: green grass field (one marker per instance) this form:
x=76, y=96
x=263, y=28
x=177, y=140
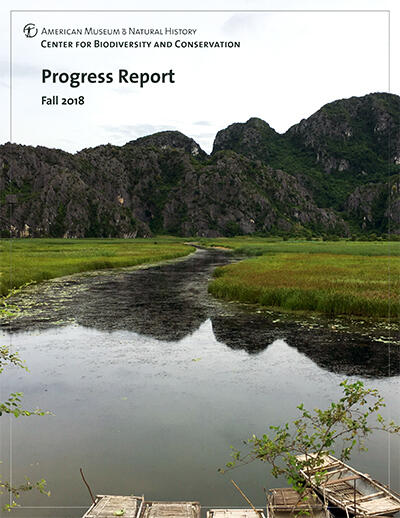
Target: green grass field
x=334, y=278
x=26, y=260
x=258, y=246
x=341, y=277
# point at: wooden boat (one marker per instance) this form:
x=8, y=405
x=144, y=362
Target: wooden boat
x=106, y=506
x=170, y=510
x=287, y=503
x=346, y=488
x=235, y=513
x=109, y=506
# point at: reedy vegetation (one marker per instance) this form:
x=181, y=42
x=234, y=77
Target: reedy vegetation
x=341, y=277
x=41, y=259
x=344, y=278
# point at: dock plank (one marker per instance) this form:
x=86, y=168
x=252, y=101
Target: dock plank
x=235, y=513
x=380, y=506
x=369, y=498
x=107, y=505
x=171, y=510
x=288, y=498
x=340, y=480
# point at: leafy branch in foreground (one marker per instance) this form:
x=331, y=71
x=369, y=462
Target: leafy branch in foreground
x=40, y=485
x=303, y=444
x=13, y=405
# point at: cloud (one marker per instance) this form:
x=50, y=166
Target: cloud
x=203, y=136
x=205, y=140
x=134, y=131
x=202, y=123
x=19, y=69
x=246, y=24
x=279, y=74
x=119, y=135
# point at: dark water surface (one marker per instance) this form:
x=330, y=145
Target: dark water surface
x=151, y=380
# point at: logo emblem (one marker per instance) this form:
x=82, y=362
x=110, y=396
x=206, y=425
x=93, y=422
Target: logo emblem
x=30, y=30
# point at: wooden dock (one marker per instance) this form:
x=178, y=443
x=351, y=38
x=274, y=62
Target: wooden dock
x=287, y=503
x=111, y=506
x=171, y=510
x=235, y=513
x=340, y=485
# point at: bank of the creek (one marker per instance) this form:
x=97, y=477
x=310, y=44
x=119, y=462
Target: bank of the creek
x=151, y=380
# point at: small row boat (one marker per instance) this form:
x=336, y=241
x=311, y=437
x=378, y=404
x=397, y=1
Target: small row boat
x=339, y=485
x=287, y=503
x=346, y=488
x=171, y=510
x=109, y=506
x=106, y=506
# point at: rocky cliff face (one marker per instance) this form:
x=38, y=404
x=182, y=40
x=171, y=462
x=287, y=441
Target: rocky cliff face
x=346, y=148
x=255, y=180
x=359, y=135
x=254, y=139
x=376, y=207
x=171, y=139
x=142, y=188
x=235, y=195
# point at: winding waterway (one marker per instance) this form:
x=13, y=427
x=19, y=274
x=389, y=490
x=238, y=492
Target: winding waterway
x=151, y=381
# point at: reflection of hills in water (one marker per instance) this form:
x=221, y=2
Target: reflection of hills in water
x=166, y=302
x=171, y=301
x=348, y=353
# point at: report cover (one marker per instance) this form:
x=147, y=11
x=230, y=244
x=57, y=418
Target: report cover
x=199, y=218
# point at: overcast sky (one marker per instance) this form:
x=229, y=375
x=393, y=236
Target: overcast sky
x=289, y=64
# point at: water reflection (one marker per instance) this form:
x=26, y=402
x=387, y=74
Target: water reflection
x=151, y=380
x=341, y=352
x=158, y=417
x=170, y=302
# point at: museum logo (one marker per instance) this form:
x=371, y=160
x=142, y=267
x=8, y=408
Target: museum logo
x=30, y=30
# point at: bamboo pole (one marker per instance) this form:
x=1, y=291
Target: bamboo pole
x=87, y=485
x=245, y=497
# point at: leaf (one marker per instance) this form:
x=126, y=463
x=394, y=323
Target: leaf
x=317, y=433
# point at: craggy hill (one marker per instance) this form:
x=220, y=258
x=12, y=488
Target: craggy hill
x=333, y=173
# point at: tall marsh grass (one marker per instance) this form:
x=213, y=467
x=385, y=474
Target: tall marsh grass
x=331, y=283
x=26, y=260
x=252, y=246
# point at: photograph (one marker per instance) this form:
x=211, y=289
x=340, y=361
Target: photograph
x=200, y=259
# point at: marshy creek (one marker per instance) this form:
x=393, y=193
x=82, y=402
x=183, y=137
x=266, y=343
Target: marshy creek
x=151, y=381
